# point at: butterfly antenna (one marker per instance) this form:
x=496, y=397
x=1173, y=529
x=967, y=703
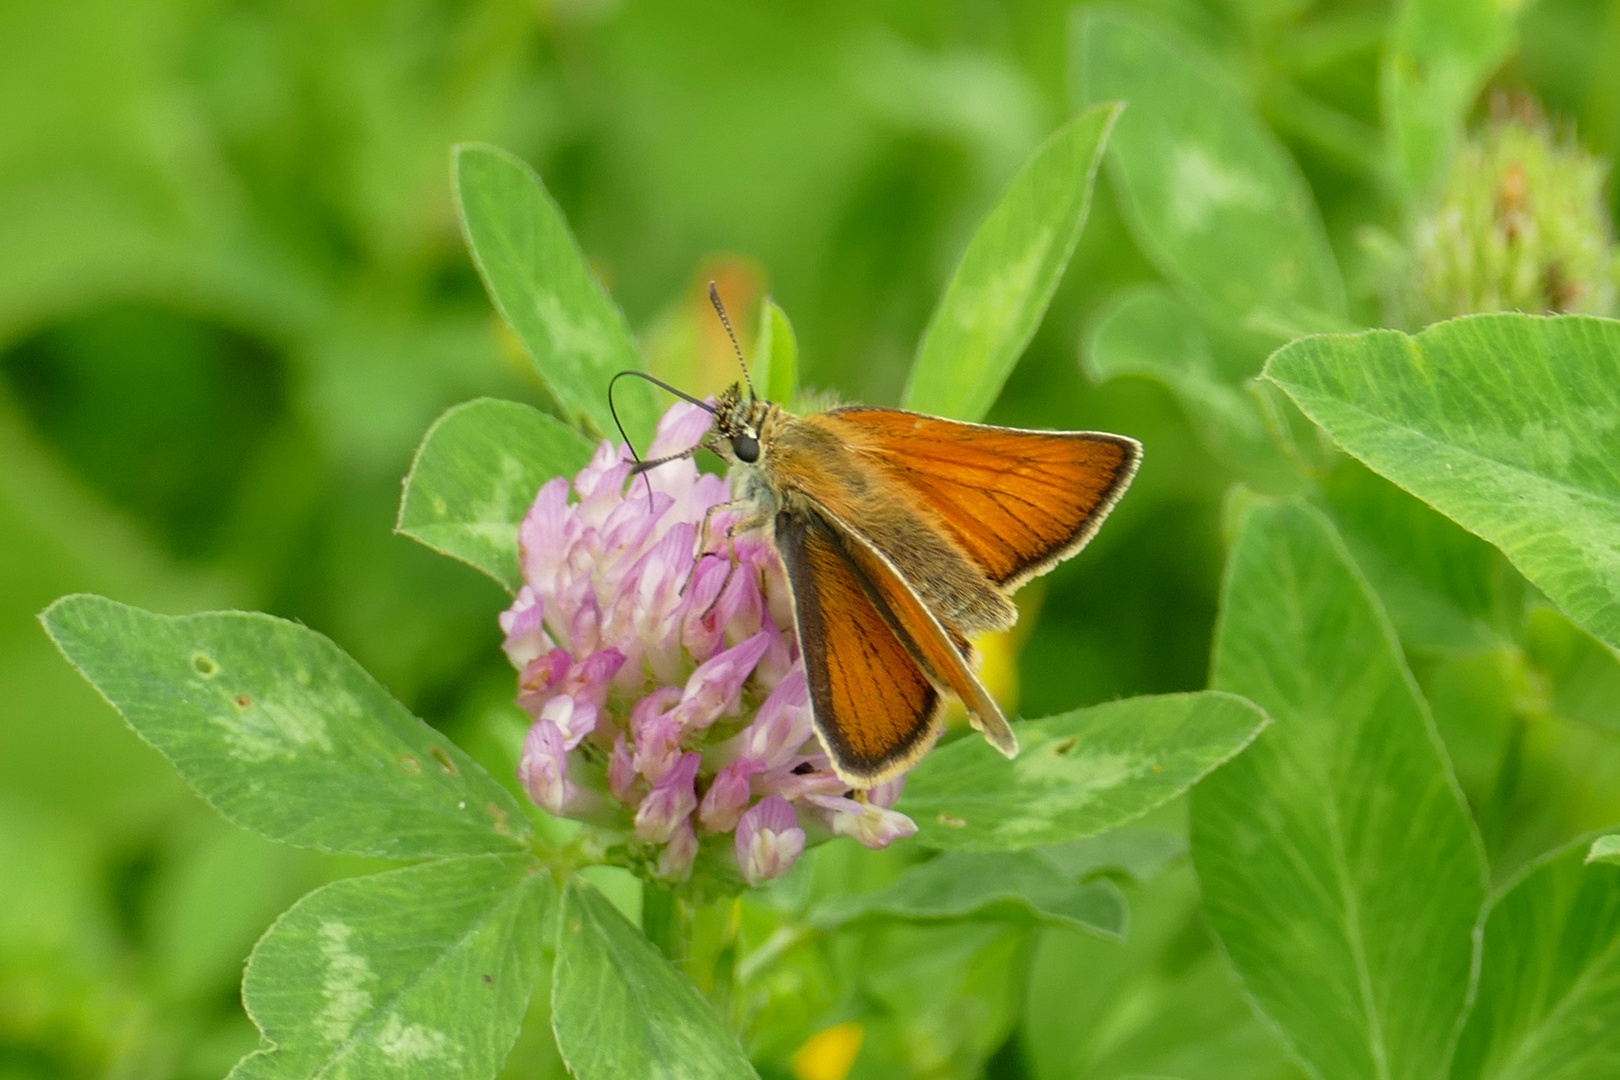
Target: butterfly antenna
x=640, y=467
x=720, y=310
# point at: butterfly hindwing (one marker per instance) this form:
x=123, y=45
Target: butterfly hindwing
x=943, y=654
x=876, y=709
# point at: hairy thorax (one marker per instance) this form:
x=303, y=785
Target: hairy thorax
x=806, y=465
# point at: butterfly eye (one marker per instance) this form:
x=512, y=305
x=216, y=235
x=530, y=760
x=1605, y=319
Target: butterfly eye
x=746, y=447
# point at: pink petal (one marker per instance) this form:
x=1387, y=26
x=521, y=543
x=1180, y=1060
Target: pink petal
x=675, y=861
x=681, y=428
x=769, y=840
x=670, y=801
x=728, y=796
x=543, y=767
x=717, y=681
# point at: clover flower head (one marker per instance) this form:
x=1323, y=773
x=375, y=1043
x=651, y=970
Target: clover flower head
x=665, y=688
x=1521, y=224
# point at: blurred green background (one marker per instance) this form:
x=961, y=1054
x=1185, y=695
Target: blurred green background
x=233, y=296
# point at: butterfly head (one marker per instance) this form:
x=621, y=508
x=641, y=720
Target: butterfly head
x=739, y=418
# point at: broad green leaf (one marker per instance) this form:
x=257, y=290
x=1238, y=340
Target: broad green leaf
x=1305, y=444
x=424, y=971
x=1443, y=587
x=776, y=360
x=1212, y=197
x=933, y=1001
x=1148, y=331
x=1605, y=849
x=1535, y=777
x=1584, y=672
x=543, y=287
x=1162, y=1003
x=284, y=734
x=1439, y=55
x=1076, y=774
x=1007, y=276
x=1338, y=864
x=1136, y=851
x=1549, y=980
x=619, y=1008
x=1000, y=886
x=1507, y=424
x=475, y=474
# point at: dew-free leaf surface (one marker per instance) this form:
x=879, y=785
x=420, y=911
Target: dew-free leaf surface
x=619, y=1008
x=1076, y=774
x=1213, y=198
x=1549, y=982
x=283, y=733
x=998, y=886
x=475, y=474
x=1605, y=849
x=1151, y=332
x=995, y=300
x=424, y=971
x=776, y=360
x=1507, y=424
x=546, y=292
x=1338, y=864
x=1440, y=53
x=1442, y=587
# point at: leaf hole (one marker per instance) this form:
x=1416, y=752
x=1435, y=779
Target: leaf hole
x=951, y=821
x=242, y=701
x=448, y=766
x=205, y=666
x=1062, y=747
x=408, y=765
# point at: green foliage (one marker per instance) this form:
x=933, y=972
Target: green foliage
x=1441, y=51
x=1339, y=844
x=1007, y=276
x=1151, y=332
x=1442, y=587
x=1161, y=1004
x=232, y=298
x=1604, y=849
x=1504, y=423
x=776, y=359
x=1010, y=886
x=475, y=475
x=284, y=734
x=1550, y=980
x=540, y=282
x=415, y=971
x=1218, y=205
x=620, y=1009
x=1076, y=774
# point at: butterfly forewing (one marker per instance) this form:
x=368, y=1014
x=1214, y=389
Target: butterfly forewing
x=875, y=708
x=1017, y=502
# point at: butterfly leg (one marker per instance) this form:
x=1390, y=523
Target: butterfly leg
x=756, y=520
x=701, y=551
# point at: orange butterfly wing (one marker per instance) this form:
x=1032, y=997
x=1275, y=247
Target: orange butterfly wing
x=874, y=707
x=1018, y=502
x=943, y=654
